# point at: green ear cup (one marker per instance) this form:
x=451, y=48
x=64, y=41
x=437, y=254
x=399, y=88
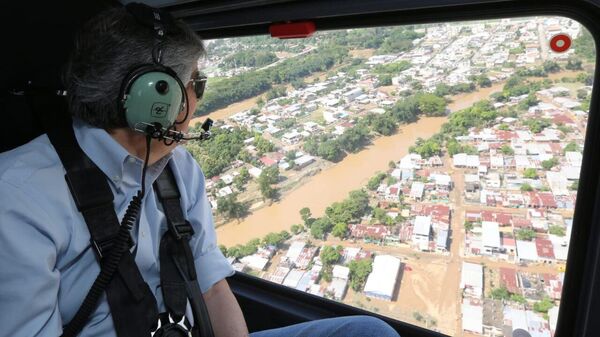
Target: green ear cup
x=154, y=97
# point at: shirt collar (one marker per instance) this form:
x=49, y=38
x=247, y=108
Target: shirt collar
x=108, y=154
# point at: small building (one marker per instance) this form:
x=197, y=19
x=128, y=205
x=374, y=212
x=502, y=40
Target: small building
x=293, y=278
x=291, y=137
x=545, y=250
x=255, y=261
x=441, y=243
x=472, y=318
x=490, y=237
x=422, y=232
x=255, y=172
x=472, y=183
x=526, y=251
x=416, y=190
x=369, y=232
x=508, y=279
x=279, y=275
x=304, y=161
x=471, y=280
x=382, y=281
x=295, y=250
x=465, y=160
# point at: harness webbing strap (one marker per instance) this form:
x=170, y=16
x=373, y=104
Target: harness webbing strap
x=177, y=269
x=132, y=304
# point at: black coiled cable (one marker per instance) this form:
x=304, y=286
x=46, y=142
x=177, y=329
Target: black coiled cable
x=109, y=264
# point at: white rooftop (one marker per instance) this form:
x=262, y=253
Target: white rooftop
x=295, y=250
x=526, y=250
x=422, y=225
x=472, y=318
x=341, y=272
x=383, y=278
x=471, y=275
x=490, y=234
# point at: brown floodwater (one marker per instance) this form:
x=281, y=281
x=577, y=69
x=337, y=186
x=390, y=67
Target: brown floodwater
x=328, y=186
x=334, y=183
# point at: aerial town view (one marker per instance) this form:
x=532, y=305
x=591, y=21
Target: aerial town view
x=426, y=173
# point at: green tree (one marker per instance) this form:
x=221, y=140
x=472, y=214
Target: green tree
x=525, y=234
x=305, y=214
x=431, y=105
x=340, y=230
x=584, y=46
x=241, y=179
x=267, y=178
x=536, y=125
x=339, y=212
x=530, y=173
x=574, y=186
x=572, y=147
x=359, y=271
x=320, y=227
x=468, y=226
x=273, y=239
x=507, y=150
x=384, y=124
x=556, y=230
x=582, y=94
x=375, y=181
x=518, y=298
x=574, y=64
x=263, y=145
x=500, y=294
x=330, y=255
x=551, y=66
x=549, y=164
x=483, y=81
x=297, y=229
x=231, y=208
x=223, y=250
x=544, y=305
x=503, y=127
x=526, y=187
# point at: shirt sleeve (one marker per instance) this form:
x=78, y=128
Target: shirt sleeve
x=29, y=279
x=211, y=265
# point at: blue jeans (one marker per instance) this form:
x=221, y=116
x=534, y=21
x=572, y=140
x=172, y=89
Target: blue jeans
x=350, y=326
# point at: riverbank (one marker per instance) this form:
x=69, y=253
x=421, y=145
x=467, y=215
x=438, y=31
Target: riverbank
x=330, y=185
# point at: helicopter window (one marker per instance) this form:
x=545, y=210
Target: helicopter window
x=428, y=173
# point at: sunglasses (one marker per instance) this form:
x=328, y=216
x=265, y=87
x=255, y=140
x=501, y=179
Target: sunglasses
x=198, y=84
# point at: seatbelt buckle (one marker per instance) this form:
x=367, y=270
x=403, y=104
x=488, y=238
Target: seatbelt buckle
x=182, y=230
x=103, y=247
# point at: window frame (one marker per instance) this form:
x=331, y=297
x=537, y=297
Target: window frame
x=576, y=315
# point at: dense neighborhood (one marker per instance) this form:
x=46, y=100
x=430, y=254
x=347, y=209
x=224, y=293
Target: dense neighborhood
x=486, y=204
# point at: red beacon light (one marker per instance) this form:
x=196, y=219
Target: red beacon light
x=292, y=30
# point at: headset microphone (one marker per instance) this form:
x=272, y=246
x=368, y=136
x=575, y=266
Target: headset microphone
x=156, y=131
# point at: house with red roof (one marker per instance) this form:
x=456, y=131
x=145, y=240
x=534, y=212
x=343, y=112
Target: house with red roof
x=545, y=250
x=553, y=285
x=373, y=232
x=268, y=162
x=521, y=223
x=508, y=279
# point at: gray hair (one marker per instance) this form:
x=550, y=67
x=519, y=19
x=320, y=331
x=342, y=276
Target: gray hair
x=106, y=49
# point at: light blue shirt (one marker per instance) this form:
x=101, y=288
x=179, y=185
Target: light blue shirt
x=46, y=263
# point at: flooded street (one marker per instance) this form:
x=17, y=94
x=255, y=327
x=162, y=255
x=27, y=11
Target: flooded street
x=330, y=185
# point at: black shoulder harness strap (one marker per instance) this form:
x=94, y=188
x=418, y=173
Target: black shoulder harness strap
x=177, y=268
x=132, y=303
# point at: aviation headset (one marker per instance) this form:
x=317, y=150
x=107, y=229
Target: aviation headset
x=152, y=95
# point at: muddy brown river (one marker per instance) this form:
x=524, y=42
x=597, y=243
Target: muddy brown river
x=328, y=186
x=334, y=183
